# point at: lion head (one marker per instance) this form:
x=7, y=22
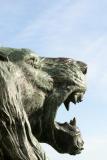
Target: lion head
x=65, y=82
x=41, y=85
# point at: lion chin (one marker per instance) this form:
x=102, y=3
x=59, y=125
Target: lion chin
x=32, y=90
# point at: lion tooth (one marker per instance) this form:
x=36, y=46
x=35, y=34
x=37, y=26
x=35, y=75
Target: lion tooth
x=67, y=105
x=81, y=97
x=75, y=99
x=73, y=122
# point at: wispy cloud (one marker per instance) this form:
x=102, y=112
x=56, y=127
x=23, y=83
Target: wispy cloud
x=54, y=17
x=96, y=51
x=54, y=25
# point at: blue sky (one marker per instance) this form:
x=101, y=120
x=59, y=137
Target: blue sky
x=67, y=28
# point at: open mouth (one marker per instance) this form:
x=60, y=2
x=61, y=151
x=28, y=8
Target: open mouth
x=68, y=135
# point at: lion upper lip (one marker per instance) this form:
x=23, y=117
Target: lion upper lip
x=75, y=98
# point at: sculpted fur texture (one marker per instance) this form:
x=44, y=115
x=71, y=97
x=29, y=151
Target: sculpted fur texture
x=32, y=90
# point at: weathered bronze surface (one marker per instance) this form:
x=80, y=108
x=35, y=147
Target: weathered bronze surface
x=32, y=90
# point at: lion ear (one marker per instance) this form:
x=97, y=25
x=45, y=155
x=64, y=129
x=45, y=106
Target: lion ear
x=73, y=122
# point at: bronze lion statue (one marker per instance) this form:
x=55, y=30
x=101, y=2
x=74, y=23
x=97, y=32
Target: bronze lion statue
x=32, y=90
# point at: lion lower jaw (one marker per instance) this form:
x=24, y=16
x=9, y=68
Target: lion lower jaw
x=63, y=132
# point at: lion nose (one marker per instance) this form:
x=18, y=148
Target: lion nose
x=80, y=143
x=83, y=66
